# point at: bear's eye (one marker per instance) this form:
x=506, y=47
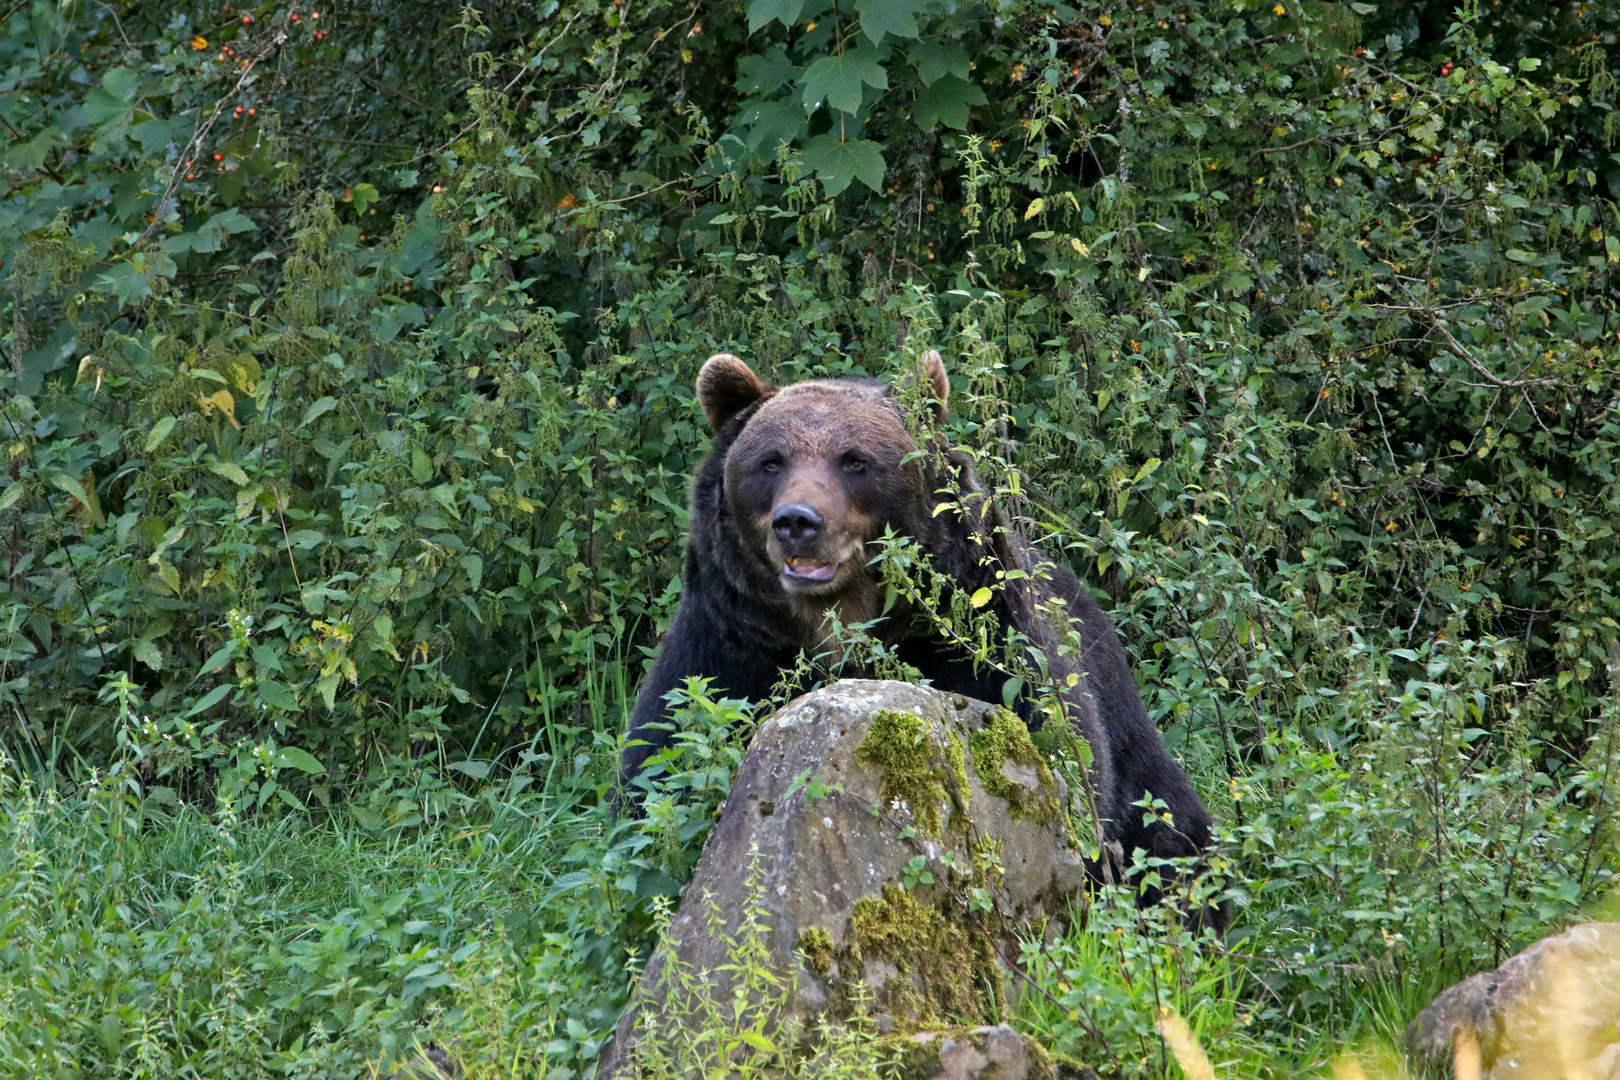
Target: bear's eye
x=772, y=464
x=854, y=463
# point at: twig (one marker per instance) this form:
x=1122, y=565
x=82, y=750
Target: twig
x=198, y=137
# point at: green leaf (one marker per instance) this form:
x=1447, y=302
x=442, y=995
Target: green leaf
x=147, y=653
x=363, y=196
x=291, y=757
x=478, y=770
x=894, y=17
x=837, y=163
x=947, y=102
x=113, y=101
x=277, y=696
x=220, y=658
x=762, y=74
x=159, y=432
x=210, y=699
x=838, y=80
x=266, y=657
x=770, y=124
x=320, y=408
x=761, y=12
x=934, y=61
x=14, y=492
x=230, y=471
x=327, y=686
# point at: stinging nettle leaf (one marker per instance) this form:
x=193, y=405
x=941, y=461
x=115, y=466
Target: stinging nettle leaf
x=159, y=432
x=318, y=409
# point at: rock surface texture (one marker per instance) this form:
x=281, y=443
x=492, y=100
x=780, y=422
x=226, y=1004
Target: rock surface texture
x=1549, y=1013
x=848, y=802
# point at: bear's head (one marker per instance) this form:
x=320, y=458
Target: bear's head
x=817, y=471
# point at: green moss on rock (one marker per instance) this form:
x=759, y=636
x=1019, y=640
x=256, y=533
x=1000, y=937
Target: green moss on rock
x=816, y=946
x=1004, y=738
x=916, y=770
x=946, y=966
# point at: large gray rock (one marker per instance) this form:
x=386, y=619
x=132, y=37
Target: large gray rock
x=1552, y=1011
x=847, y=802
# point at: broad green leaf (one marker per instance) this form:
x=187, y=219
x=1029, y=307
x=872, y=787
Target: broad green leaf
x=837, y=163
x=318, y=409
x=327, y=686
x=838, y=80
x=761, y=12
x=770, y=124
x=266, y=657
x=894, y=17
x=935, y=61
x=277, y=696
x=221, y=657
x=210, y=699
x=762, y=74
x=230, y=471
x=291, y=757
x=159, y=432
x=147, y=653
x=947, y=102
x=14, y=491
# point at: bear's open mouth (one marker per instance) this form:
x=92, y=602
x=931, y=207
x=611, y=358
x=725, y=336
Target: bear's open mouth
x=809, y=569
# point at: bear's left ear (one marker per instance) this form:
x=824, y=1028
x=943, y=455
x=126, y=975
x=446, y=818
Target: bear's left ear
x=726, y=386
x=934, y=370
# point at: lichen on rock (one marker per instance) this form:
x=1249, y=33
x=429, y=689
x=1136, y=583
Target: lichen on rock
x=1010, y=767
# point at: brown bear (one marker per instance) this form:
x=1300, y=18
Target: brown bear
x=801, y=482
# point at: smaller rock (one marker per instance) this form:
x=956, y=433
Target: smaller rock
x=1550, y=1011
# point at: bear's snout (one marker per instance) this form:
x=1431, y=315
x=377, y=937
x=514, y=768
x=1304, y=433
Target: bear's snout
x=797, y=523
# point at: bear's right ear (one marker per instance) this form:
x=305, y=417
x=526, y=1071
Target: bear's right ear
x=726, y=386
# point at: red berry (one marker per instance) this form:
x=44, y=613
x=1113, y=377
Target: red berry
x=219, y=157
x=247, y=20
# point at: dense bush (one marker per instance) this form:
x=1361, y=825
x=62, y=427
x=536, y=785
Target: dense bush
x=348, y=414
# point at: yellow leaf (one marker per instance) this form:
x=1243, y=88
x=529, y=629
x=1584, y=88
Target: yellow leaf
x=525, y=505
x=199, y=42
x=1141, y=275
x=981, y=598
x=1078, y=246
x=1034, y=208
x=221, y=400
x=170, y=576
x=1105, y=21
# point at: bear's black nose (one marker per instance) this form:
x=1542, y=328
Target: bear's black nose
x=796, y=523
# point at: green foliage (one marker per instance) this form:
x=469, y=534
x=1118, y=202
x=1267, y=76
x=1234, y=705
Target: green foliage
x=347, y=421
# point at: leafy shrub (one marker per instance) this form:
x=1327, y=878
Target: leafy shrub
x=346, y=432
